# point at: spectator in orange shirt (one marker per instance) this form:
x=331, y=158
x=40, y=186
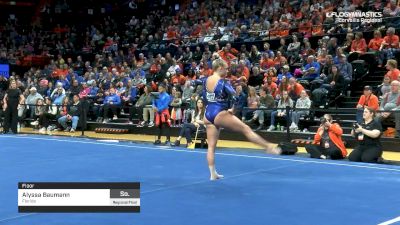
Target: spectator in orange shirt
x=271, y=72
x=279, y=57
x=368, y=99
x=208, y=23
x=389, y=46
x=393, y=72
x=226, y=55
x=283, y=29
x=266, y=62
x=305, y=28
x=318, y=29
x=171, y=33
x=271, y=87
x=140, y=61
x=178, y=79
x=376, y=42
x=274, y=30
x=294, y=89
x=231, y=50
x=298, y=15
x=358, y=44
x=243, y=71
x=205, y=70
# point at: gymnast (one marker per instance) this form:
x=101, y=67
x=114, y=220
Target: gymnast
x=219, y=94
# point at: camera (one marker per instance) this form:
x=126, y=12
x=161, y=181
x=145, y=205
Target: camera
x=323, y=120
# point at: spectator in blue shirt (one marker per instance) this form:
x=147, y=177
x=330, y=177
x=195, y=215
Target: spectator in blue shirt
x=71, y=74
x=311, y=69
x=58, y=95
x=345, y=69
x=112, y=103
x=160, y=107
x=93, y=90
x=65, y=83
x=285, y=72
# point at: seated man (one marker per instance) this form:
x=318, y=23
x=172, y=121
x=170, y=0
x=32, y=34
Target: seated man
x=328, y=140
x=31, y=100
x=111, y=103
x=391, y=105
x=73, y=114
x=311, y=69
x=345, y=69
x=368, y=99
x=389, y=46
x=266, y=101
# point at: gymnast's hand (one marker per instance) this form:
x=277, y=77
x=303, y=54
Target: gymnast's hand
x=230, y=110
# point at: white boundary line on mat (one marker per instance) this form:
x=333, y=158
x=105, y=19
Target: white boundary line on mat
x=16, y=217
x=348, y=164
x=392, y=221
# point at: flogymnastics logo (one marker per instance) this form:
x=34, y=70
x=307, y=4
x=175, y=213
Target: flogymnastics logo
x=356, y=17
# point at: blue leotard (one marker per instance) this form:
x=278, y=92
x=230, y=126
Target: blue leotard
x=218, y=100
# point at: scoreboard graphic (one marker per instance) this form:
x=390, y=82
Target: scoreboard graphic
x=38, y=197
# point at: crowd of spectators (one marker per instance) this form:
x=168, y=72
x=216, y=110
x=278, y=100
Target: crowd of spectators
x=128, y=65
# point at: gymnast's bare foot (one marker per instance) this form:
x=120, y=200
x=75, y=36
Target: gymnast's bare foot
x=216, y=176
x=274, y=150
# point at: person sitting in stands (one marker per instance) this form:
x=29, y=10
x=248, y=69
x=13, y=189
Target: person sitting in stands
x=73, y=114
x=311, y=69
x=144, y=109
x=303, y=104
x=266, y=104
x=368, y=99
x=196, y=123
x=284, y=102
x=390, y=104
x=111, y=103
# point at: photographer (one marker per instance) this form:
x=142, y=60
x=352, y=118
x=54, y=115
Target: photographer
x=368, y=136
x=329, y=141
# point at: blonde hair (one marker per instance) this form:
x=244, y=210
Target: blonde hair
x=218, y=63
x=252, y=90
x=378, y=32
x=178, y=94
x=392, y=63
